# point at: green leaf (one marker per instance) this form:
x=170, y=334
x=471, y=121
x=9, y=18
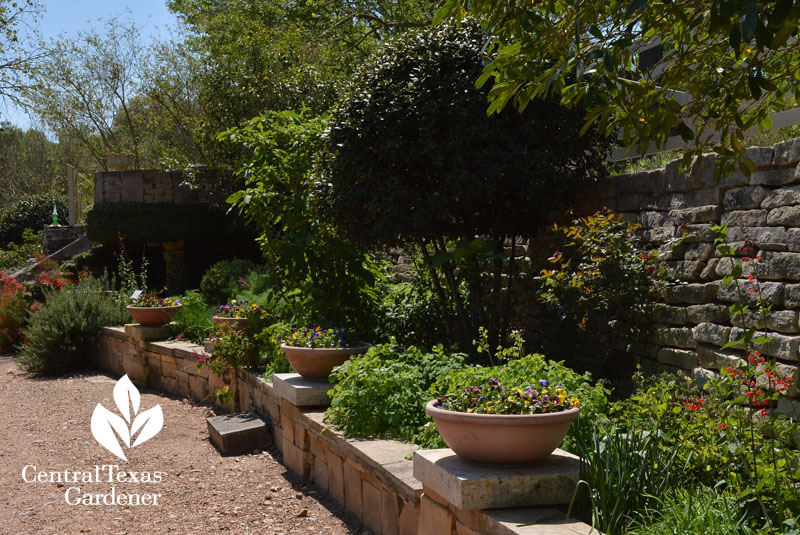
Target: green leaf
x=595, y=32
x=685, y=132
x=755, y=87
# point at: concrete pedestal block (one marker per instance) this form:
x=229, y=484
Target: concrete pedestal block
x=471, y=486
x=238, y=433
x=301, y=392
x=145, y=333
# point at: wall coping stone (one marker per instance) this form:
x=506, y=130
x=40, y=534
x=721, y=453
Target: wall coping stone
x=533, y=521
x=385, y=459
x=114, y=332
x=472, y=486
x=301, y=392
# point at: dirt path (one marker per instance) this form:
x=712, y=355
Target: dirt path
x=46, y=423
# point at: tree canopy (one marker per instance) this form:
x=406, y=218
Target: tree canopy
x=725, y=65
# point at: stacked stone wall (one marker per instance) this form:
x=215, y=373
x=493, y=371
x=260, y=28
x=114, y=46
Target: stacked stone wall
x=691, y=321
x=141, y=185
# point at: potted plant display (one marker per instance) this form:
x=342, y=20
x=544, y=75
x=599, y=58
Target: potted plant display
x=153, y=311
x=494, y=424
x=235, y=315
x=314, y=352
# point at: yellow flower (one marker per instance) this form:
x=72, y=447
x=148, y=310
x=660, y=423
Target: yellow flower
x=295, y=336
x=575, y=402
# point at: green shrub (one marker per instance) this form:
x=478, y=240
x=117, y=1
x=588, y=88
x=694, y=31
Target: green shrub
x=410, y=312
x=31, y=212
x=384, y=392
x=63, y=333
x=14, y=256
x=194, y=321
x=701, y=511
x=219, y=282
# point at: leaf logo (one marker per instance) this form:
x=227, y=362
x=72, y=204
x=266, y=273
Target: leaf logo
x=107, y=426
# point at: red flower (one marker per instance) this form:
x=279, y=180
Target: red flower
x=722, y=426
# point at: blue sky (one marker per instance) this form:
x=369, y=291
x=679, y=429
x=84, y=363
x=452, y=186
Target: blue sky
x=70, y=16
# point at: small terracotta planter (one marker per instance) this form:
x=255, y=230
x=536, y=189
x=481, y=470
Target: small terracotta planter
x=318, y=362
x=502, y=439
x=153, y=316
x=230, y=324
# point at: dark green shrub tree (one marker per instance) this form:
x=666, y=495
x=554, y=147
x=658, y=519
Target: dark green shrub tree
x=413, y=160
x=219, y=283
x=30, y=212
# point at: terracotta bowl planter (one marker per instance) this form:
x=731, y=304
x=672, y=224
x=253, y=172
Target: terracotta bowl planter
x=153, y=316
x=232, y=324
x=502, y=439
x=318, y=362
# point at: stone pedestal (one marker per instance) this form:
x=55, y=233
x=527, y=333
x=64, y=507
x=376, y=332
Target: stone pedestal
x=470, y=486
x=234, y=434
x=301, y=392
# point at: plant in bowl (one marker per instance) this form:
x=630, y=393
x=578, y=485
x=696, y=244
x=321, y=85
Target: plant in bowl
x=152, y=311
x=236, y=315
x=314, y=352
x=495, y=424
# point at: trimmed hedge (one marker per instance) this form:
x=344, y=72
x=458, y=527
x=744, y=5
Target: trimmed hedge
x=30, y=212
x=160, y=222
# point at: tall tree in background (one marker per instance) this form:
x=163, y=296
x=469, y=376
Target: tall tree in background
x=263, y=55
x=16, y=57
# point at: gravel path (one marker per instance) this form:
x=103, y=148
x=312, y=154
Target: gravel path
x=46, y=423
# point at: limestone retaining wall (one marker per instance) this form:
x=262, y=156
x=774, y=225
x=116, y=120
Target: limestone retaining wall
x=691, y=322
x=373, y=479
x=141, y=185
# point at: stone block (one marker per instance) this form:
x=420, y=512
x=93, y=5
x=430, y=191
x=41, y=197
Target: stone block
x=302, y=438
x=463, y=529
x=785, y=196
x=776, y=265
x=783, y=321
x=131, y=186
x=733, y=180
x=650, y=220
x=662, y=313
x=659, y=235
x=273, y=409
x=470, y=486
x=681, y=358
x=699, y=233
x=671, y=336
x=700, y=376
x=390, y=513
x=713, y=313
x=761, y=156
x=713, y=358
x=744, y=198
x=143, y=333
x=336, y=477
x=288, y=426
x=792, y=296
x=319, y=473
x=773, y=177
x=301, y=392
x=773, y=292
x=768, y=238
x=709, y=272
x=691, y=293
x=234, y=434
x=787, y=216
x=434, y=519
x=711, y=333
x=787, y=153
x=745, y=218
x=409, y=519
x=352, y=489
x=296, y=460
x=699, y=251
x=699, y=214
x=536, y=521
x=371, y=506
x=788, y=406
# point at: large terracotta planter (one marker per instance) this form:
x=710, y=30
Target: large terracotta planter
x=502, y=439
x=318, y=362
x=153, y=316
x=230, y=324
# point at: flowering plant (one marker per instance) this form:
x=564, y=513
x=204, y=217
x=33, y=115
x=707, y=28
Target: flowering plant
x=493, y=398
x=150, y=301
x=241, y=309
x=316, y=337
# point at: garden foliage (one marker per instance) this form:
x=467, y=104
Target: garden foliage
x=63, y=333
x=384, y=391
x=13, y=312
x=221, y=281
x=30, y=212
x=412, y=160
